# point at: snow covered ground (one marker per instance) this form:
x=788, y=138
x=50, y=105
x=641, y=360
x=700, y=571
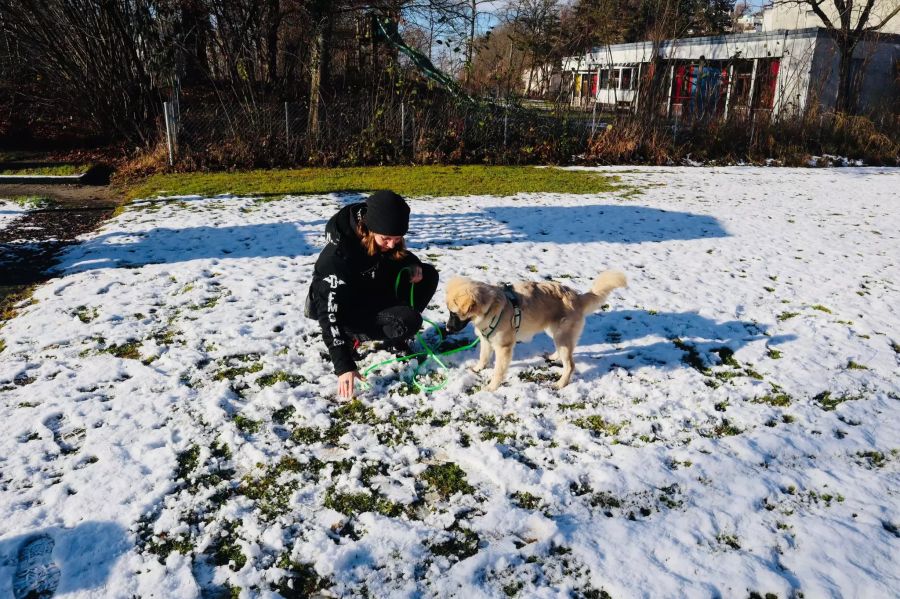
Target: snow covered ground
x=9, y=211
x=168, y=425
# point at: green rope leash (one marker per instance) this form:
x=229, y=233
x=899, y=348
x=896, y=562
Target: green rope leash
x=428, y=352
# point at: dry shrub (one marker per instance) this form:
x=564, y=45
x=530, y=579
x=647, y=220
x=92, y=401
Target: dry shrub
x=152, y=160
x=628, y=140
x=857, y=137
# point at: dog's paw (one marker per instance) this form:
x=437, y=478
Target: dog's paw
x=476, y=368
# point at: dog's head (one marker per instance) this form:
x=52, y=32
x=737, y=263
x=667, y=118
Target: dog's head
x=466, y=300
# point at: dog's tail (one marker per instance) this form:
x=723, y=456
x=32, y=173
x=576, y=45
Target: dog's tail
x=603, y=285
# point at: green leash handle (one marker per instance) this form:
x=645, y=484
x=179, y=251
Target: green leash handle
x=429, y=352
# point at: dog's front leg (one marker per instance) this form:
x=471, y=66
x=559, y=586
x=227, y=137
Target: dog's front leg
x=501, y=364
x=484, y=355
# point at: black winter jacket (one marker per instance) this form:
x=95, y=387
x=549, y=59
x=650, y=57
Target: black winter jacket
x=349, y=285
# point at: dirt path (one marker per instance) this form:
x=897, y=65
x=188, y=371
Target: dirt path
x=29, y=246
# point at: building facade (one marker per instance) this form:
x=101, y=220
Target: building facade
x=768, y=72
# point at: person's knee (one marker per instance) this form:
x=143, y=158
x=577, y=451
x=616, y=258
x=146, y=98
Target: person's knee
x=399, y=322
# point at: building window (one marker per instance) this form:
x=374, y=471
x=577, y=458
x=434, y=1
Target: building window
x=604, y=78
x=614, y=78
x=627, y=79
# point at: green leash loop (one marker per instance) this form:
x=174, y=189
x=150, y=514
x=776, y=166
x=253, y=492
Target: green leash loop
x=429, y=352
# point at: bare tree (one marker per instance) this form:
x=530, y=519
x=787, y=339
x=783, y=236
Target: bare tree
x=850, y=21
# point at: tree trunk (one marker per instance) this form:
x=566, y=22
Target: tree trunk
x=844, y=101
x=470, y=50
x=274, y=24
x=315, y=84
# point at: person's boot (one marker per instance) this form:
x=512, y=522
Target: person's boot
x=398, y=347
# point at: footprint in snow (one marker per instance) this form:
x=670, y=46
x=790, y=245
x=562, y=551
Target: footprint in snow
x=69, y=438
x=36, y=576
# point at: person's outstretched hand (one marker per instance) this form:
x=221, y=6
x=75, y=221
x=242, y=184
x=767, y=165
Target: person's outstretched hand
x=415, y=274
x=346, y=382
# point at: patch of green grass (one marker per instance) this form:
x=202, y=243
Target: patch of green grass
x=774, y=354
x=48, y=171
x=729, y=540
x=239, y=365
x=127, y=351
x=162, y=545
x=85, y=314
x=821, y=308
x=692, y=356
x=187, y=460
x=829, y=402
x=219, y=449
x=411, y=181
x=301, y=580
x=282, y=415
x=538, y=375
x=11, y=301
x=355, y=411
x=874, y=459
x=605, y=500
x=306, y=435
x=597, y=425
x=246, y=425
x=462, y=543
x=352, y=504
x=29, y=202
x=851, y=365
x=226, y=551
x=447, y=479
x=723, y=429
x=777, y=398
x=526, y=500
x=280, y=376
x=272, y=491
x=786, y=315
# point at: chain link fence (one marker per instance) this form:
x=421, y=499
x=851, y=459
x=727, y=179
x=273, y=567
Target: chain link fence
x=392, y=130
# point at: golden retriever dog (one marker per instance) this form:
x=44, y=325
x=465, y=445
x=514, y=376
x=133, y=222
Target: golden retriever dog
x=547, y=306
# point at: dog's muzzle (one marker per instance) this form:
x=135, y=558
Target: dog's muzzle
x=455, y=324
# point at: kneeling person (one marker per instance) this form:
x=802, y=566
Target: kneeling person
x=353, y=294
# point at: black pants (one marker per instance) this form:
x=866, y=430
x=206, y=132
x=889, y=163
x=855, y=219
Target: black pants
x=390, y=317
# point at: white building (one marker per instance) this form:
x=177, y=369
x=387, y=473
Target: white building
x=802, y=16
x=770, y=71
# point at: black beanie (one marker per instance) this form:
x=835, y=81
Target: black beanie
x=387, y=214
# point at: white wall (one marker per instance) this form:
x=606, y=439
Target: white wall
x=801, y=16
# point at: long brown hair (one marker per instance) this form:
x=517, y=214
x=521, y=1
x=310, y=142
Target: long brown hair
x=367, y=239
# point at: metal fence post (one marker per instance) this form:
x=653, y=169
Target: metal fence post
x=169, y=132
x=505, y=120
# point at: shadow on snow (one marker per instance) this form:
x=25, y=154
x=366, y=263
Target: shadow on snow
x=548, y=224
x=67, y=559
